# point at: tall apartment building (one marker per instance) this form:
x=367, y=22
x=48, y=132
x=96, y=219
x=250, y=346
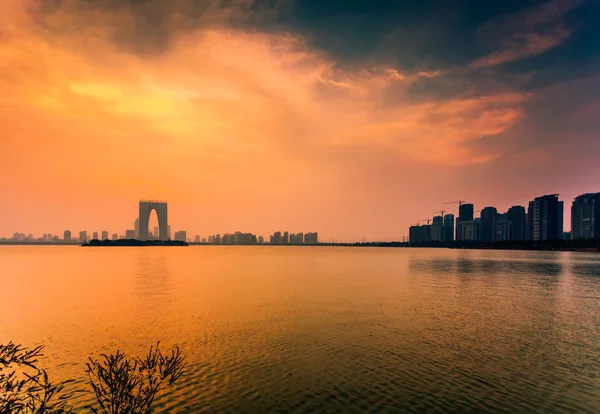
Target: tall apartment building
x=585, y=217
x=545, y=215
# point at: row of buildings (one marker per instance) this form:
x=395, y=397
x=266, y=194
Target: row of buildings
x=542, y=220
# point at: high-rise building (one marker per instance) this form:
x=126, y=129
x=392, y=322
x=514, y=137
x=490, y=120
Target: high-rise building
x=115, y=236
x=448, y=234
x=545, y=215
x=276, y=239
x=95, y=235
x=585, y=217
x=261, y=240
x=104, y=235
x=486, y=228
x=286, y=238
x=197, y=239
x=136, y=228
x=311, y=238
x=82, y=236
x=469, y=230
x=502, y=228
x=169, y=232
x=181, y=235
x=67, y=236
x=437, y=229
x=517, y=216
x=465, y=213
x=130, y=234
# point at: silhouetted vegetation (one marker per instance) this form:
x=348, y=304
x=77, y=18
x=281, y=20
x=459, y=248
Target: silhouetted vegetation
x=26, y=388
x=122, y=384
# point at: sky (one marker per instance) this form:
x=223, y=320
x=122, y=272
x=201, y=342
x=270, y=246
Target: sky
x=350, y=118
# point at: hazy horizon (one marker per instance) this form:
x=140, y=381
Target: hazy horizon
x=352, y=119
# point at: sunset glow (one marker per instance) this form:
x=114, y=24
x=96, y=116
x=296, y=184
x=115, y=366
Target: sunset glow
x=246, y=125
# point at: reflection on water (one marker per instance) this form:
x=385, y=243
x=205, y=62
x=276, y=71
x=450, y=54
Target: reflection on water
x=322, y=329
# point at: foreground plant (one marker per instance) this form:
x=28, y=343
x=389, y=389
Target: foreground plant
x=129, y=385
x=26, y=388
x=123, y=385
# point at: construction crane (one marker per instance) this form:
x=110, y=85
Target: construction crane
x=441, y=212
x=427, y=220
x=459, y=202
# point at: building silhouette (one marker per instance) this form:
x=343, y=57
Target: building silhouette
x=115, y=236
x=311, y=238
x=83, y=236
x=130, y=234
x=136, y=228
x=518, y=218
x=502, y=229
x=182, y=235
x=104, y=235
x=469, y=230
x=437, y=229
x=448, y=235
x=486, y=228
x=95, y=235
x=160, y=207
x=465, y=214
x=67, y=235
x=585, y=217
x=545, y=216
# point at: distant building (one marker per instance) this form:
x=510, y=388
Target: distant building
x=311, y=238
x=486, y=229
x=502, y=229
x=197, y=239
x=414, y=234
x=104, y=235
x=465, y=213
x=95, y=235
x=115, y=236
x=448, y=235
x=261, y=240
x=518, y=217
x=204, y=240
x=67, y=235
x=437, y=229
x=82, y=236
x=286, y=238
x=155, y=233
x=136, y=228
x=181, y=235
x=545, y=215
x=585, y=217
x=130, y=234
x=169, y=232
x=468, y=230
x=420, y=234
x=297, y=238
x=276, y=239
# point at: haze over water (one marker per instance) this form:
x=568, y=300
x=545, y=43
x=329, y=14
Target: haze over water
x=318, y=329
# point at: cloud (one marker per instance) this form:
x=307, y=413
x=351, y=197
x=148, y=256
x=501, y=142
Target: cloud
x=225, y=90
x=527, y=33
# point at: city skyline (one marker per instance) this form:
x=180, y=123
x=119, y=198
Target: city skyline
x=349, y=117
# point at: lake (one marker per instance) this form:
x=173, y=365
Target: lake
x=320, y=329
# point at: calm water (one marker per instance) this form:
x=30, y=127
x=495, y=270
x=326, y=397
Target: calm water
x=317, y=329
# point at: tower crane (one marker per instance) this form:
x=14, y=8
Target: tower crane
x=459, y=202
x=427, y=220
x=441, y=212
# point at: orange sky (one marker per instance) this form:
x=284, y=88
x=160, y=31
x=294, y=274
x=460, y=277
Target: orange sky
x=242, y=129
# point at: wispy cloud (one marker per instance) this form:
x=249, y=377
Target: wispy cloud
x=528, y=33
